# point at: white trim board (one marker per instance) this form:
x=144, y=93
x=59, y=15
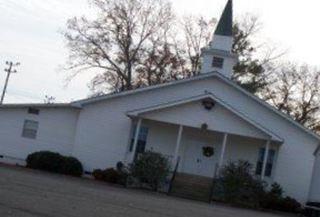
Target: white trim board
x=199, y=77
x=137, y=112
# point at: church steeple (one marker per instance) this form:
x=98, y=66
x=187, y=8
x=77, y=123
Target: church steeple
x=218, y=56
x=225, y=23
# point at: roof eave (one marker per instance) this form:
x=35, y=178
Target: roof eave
x=81, y=103
x=308, y=131
x=129, y=92
x=39, y=105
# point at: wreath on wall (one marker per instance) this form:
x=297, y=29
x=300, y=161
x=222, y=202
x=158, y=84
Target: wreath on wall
x=207, y=151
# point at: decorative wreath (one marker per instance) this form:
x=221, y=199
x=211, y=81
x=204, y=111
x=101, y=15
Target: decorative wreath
x=208, y=151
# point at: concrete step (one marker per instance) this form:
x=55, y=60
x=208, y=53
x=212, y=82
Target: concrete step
x=192, y=187
x=193, y=178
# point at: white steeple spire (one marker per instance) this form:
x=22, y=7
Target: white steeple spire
x=218, y=55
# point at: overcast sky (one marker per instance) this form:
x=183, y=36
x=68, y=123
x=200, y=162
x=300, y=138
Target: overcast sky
x=30, y=34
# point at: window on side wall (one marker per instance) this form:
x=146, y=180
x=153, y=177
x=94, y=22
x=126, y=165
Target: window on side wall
x=270, y=160
x=142, y=139
x=33, y=111
x=217, y=62
x=30, y=129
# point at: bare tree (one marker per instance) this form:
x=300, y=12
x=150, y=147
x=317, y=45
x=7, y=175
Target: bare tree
x=176, y=52
x=197, y=33
x=295, y=91
x=159, y=63
x=49, y=99
x=183, y=52
x=134, y=43
x=114, y=41
x=250, y=72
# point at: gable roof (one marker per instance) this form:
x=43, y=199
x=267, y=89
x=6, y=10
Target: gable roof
x=270, y=107
x=216, y=74
x=142, y=89
x=138, y=112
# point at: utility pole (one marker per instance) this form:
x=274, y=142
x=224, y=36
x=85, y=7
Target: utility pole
x=8, y=70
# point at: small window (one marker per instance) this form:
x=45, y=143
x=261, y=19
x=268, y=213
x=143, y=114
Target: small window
x=270, y=160
x=217, y=62
x=30, y=129
x=33, y=111
x=142, y=139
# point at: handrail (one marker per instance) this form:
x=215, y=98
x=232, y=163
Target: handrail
x=174, y=175
x=216, y=171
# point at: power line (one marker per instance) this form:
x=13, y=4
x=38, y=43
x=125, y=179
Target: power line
x=8, y=70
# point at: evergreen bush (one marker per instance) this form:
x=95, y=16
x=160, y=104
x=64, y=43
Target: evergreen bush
x=54, y=162
x=150, y=168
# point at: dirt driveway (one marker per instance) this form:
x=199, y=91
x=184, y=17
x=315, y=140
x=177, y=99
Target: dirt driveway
x=27, y=193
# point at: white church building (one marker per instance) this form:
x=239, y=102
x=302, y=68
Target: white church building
x=178, y=119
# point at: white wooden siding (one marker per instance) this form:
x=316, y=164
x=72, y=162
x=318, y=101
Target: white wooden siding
x=218, y=119
x=55, y=133
x=162, y=138
x=314, y=194
x=103, y=130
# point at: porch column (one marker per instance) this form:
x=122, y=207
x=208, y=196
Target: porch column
x=178, y=144
x=265, y=159
x=136, y=138
x=223, y=150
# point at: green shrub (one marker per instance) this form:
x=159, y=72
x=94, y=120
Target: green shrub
x=108, y=175
x=289, y=204
x=286, y=204
x=45, y=160
x=98, y=174
x=237, y=186
x=71, y=166
x=150, y=168
x=123, y=171
x=274, y=200
x=276, y=190
x=54, y=162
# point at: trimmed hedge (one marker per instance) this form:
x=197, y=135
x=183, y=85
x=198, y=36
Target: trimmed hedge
x=55, y=162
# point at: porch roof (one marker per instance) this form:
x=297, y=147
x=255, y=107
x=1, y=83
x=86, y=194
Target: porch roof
x=139, y=112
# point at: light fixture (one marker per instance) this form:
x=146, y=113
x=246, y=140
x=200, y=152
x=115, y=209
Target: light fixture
x=208, y=103
x=204, y=126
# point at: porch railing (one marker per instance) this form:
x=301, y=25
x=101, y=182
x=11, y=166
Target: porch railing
x=174, y=175
x=215, y=175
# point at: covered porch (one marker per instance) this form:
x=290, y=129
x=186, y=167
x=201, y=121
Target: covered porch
x=199, y=135
x=203, y=152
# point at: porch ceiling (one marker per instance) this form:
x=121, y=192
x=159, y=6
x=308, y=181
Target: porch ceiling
x=222, y=118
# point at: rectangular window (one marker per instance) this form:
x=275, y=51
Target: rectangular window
x=217, y=62
x=142, y=139
x=33, y=111
x=30, y=129
x=270, y=160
